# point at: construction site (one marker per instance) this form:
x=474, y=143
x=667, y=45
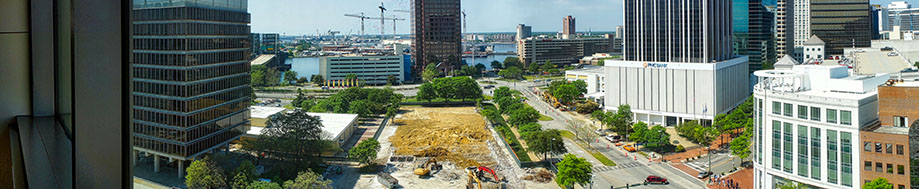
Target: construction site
x=442, y=147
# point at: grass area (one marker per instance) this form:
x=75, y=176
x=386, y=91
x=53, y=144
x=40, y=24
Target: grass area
x=487, y=97
x=603, y=159
x=508, y=80
x=289, y=107
x=568, y=134
x=533, y=77
x=505, y=131
x=434, y=100
x=545, y=118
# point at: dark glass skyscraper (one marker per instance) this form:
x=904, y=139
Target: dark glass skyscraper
x=841, y=24
x=437, y=30
x=190, y=76
x=697, y=31
x=753, y=35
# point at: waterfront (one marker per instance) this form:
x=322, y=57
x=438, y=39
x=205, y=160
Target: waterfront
x=308, y=66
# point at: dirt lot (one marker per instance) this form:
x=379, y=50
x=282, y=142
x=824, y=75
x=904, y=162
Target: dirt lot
x=455, y=134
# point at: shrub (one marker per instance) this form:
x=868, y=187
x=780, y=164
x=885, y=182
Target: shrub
x=679, y=148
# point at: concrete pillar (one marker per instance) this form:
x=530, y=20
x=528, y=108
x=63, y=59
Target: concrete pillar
x=156, y=163
x=134, y=157
x=181, y=168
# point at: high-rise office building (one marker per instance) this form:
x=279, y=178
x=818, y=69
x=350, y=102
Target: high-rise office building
x=437, y=32
x=841, y=24
x=619, y=31
x=802, y=29
x=560, y=51
x=190, y=94
x=679, y=65
x=524, y=31
x=569, y=28
x=902, y=14
x=879, y=20
x=784, y=28
x=753, y=34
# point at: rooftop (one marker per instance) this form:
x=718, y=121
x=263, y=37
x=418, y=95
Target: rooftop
x=332, y=124
x=814, y=40
x=828, y=81
x=587, y=70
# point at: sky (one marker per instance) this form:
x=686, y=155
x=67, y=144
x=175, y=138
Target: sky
x=305, y=17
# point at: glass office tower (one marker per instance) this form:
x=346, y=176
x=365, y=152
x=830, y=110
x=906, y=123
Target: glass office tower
x=841, y=24
x=190, y=77
x=753, y=34
x=436, y=29
x=678, y=31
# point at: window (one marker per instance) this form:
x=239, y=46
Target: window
x=899, y=121
x=900, y=170
x=889, y=149
x=815, y=113
x=802, y=151
x=890, y=168
x=776, y=108
x=877, y=147
x=868, y=146
x=830, y=116
x=788, y=109
x=878, y=167
x=787, y=148
x=831, y=157
x=899, y=149
x=845, y=117
x=776, y=145
x=901, y=187
x=868, y=165
x=802, y=112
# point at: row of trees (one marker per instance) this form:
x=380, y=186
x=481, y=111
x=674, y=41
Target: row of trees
x=205, y=173
x=656, y=136
x=518, y=113
x=525, y=119
x=262, y=75
x=356, y=100
x=450, y=88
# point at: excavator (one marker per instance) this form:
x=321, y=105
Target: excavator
x=425, y=168
x=554, y=101
x=477, y=175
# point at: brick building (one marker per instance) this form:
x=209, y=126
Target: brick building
x=885, y=145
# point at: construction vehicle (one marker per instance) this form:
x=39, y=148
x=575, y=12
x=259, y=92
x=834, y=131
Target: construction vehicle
x=552, y=100
x=477, y=177
x=425, y=168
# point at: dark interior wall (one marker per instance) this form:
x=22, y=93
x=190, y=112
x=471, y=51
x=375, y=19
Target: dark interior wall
x=15, y=85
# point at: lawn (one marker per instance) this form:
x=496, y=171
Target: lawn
x=545, y=118
x=603, y=159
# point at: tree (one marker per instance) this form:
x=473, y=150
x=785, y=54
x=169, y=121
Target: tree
x=317, y=79
x=501, y=92
x=496, y=65
x=240, y=181
x=639, y=130
x=878, y=183
x=622, y=120
x=466, y=70
x=257, y=78
x=533, y=68
x=263, y=185
x=793, y=185
x=511, y=72
x=523, y=116
x=916, y=64
x=365, y=151
x=204, y=173
x=581, y=85
x=351, y=76
x=573, y=170
x=479, y=67
x=247, y=169
x=588, y=107
x=295, y=138
x=392, y=79
x=303, y=80
x=580, y=129
x=361, y=108
x=466, y=88
x=528, y=129
x=566, y=93
x=426, y=92
x=546, y=142
x=308, y=180
x=548, y=66
x=657, y=136
x=511, y=62
x=290, y=77
x=740, y=147
x=430, y=72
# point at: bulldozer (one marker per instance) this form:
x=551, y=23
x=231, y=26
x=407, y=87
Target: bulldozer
x=477, y=177
x=425, y=168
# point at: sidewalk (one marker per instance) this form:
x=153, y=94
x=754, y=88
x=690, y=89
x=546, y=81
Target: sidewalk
x=723, y=140
x=744, y=179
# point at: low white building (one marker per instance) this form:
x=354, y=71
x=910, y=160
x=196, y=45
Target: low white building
x=807, y=120
x=335, y=127
x=369, y=69
x=595, y=79
x=814, y=49
x=668, y=93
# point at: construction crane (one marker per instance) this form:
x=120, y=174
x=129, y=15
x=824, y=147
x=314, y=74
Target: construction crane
x=382, y=21
x=362, y=17
x=405, y=11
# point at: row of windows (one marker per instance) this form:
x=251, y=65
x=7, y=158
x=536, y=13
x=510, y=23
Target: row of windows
x=193, y=105
x=191, y=58
x=193, y=13
x=843, y=117
x=193, y=89
x=190, y=28
x=879, y=167
x=808, y=149
x=184, y=136
x=185, y=151
x=190, y=120
x=187, y=44
x=369, y=63
x=364, y=68
x=368, y=59
x=191, y=74
x=880, y=148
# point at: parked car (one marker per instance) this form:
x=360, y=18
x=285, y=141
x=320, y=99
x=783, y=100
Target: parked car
x=656, y=180
x=600, y=132
x=908, y=70
x=629, y=148
x=892, y=54
x=613, y=138
x=704, y=174
x=489, y=86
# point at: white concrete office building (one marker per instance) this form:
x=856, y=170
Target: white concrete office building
x=807, y=120
x=595, y=78
x=369, y=69
x=678, y=63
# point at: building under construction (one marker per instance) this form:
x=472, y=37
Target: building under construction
x=436, y=28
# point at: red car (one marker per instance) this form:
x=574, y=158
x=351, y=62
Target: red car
x=656, y=180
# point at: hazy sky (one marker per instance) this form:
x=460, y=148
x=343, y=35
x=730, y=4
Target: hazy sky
x=293, y=17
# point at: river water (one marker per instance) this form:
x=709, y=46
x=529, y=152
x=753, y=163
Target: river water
x=306, y=67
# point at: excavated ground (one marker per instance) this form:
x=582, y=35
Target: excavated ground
x=455, y=134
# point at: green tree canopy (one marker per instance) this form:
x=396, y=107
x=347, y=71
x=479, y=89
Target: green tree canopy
x=480, y=67
x=308, y=180
x=533, y=68
x=740, y=146
x=523, y=116
x=546, y=142
x=351, y=76
x=290, y=77
x=365, y=151
x=581, y=85
x=512, y=72
x=502, y=92
x=566, y=93
x=878, y=183
x=317, y=79
x=638, y=132
x=426, y=92
x=622, y=120
x=263, y=185
x=512, y=62
x=392, y=79
x=657, y=136
x=528, y=129
x=294, y=138
x=496, y=65
x=573, y=170
x=204, y=173
x=430, y=72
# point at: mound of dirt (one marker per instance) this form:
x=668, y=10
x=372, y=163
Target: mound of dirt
x=456, y=134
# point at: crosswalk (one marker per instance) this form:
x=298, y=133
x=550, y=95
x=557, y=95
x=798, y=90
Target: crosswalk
x=702, y=163
x=617, y=167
